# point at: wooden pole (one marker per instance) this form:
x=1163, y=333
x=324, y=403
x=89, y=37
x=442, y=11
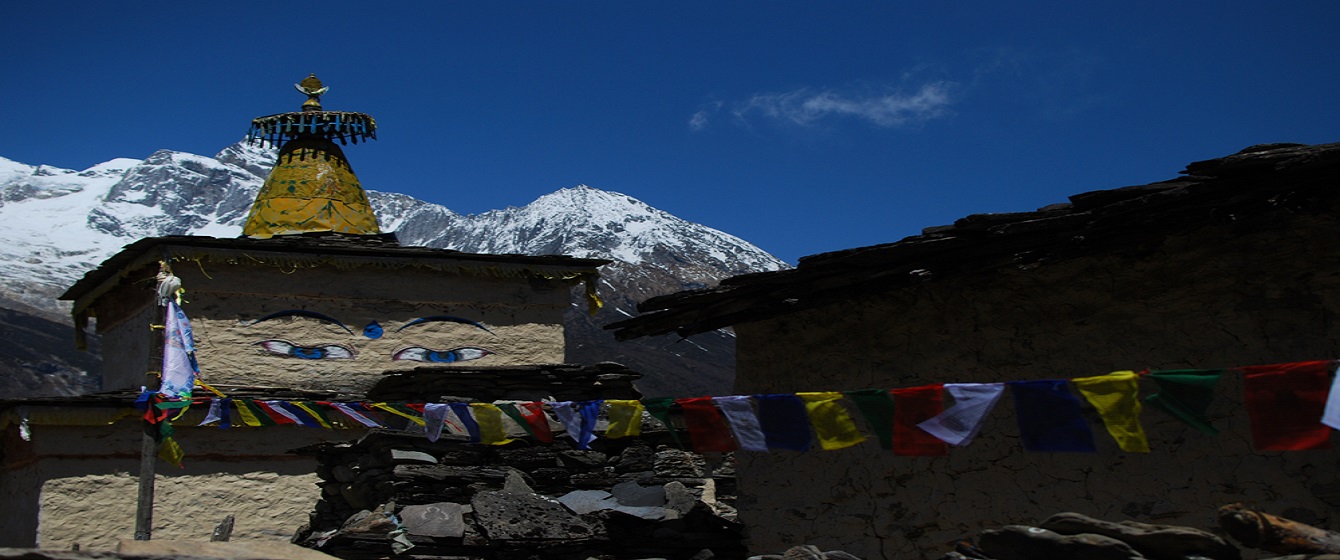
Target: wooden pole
x=144, y=510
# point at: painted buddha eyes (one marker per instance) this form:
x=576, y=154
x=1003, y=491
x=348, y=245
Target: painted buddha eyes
x=372, y=330
x=421, y=354
x=318, y=352
x=342, y=352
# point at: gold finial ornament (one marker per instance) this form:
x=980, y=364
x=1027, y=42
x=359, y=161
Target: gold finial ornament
x=312, y=88
x=312, y=187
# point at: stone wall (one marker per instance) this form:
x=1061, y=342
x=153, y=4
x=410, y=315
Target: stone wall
x=523, y=319
x=629, y=497
x=1219, y=297
x=78, y=485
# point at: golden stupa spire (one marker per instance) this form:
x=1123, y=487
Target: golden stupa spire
x=311, y=188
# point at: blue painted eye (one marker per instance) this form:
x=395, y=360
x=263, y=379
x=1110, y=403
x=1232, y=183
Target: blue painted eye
x=313, y=353
x=421, y=354
x=318, y=352
x=373, y=330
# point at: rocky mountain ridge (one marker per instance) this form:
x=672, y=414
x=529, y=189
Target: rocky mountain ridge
x=61, y=223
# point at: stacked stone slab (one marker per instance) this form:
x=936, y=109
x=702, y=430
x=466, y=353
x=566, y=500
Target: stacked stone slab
x=638, y=497
x=563, y=382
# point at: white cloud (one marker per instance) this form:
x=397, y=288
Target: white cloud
x=703, y=117
x=806, y=107
x=699, y=120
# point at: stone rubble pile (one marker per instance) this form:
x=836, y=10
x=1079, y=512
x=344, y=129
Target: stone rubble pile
x=563, y=382
x=393, y=493
x=1072, y=536
x=806, y=552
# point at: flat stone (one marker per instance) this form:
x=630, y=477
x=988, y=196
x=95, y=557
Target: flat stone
x=583, y=457
x=583, y=502
x=650, y=513
x=633, y=494
x=406, y=456
x=443, y=519
x=514, y=482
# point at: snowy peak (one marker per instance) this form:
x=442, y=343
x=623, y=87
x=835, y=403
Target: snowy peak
x=113, y=168
x=597, y=205
x=586, y=222
x=20, y=181
x=254, y=158
x=409, y=217
x=175, y=193
x=73, y=220
x=61, y=223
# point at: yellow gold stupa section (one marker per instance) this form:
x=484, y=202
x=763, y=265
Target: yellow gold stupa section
x=312, y=188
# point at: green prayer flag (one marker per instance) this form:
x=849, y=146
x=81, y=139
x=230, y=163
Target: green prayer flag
x=515, y=414
x=1186, y=394
x=320, y=412
x=167, y=405
x=660, y=409
x=876, y=407
x=261, y=416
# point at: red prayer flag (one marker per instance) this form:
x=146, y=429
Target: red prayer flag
x=270, y=411
x=912, y=406
x=1285, y=403
x=533, y=412
x=708, y=430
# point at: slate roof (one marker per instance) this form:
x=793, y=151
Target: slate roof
x=1252, y=187
x=345, y=246
x=422, y=384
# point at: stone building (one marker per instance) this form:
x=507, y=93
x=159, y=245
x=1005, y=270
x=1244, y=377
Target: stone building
x=312, y=304
x=1235, y=263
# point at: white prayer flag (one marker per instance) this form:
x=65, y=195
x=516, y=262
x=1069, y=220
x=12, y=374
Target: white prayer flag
x=179, y=367
x=739, y=412
x=959, y=424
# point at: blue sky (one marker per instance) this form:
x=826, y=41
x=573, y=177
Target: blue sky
x=803, y=127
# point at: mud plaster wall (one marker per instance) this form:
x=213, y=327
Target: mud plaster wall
x=84, y=483
x=126, y=348
x=1204, y=300
x=19, y=495
x=523, y=318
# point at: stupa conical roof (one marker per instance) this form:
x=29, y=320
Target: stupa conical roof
x=312, y=187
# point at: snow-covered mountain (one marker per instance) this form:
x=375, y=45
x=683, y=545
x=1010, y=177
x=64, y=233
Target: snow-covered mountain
x=60, y=223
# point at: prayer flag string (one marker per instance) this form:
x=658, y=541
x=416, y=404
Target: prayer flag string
x=1291, y=406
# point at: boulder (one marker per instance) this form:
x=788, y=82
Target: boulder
x=1019, y=542
x=1158, y=542
x=504, y=516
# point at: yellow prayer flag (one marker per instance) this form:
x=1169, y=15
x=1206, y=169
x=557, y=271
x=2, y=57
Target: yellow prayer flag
x=490, y=420
x=625, y=418
x=248, y=417
x=388, y=408
x=171, y=452
x=833, y=426
x=1115, y=395
x=315, y=415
